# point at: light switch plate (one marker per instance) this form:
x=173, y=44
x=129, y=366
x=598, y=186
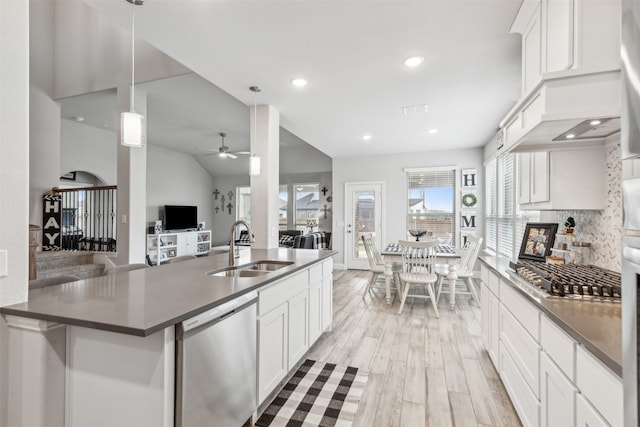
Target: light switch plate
x=4, y=263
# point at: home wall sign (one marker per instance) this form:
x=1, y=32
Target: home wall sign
x=51, y=220
x=468, y=203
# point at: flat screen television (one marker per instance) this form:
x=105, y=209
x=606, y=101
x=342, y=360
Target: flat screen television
x=180, y=217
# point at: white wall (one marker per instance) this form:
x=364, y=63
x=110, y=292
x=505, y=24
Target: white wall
x=14, y=168
x=389, y=169
x=90, y=149
x=175, y=178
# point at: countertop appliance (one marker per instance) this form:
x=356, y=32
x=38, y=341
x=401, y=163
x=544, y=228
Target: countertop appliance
x=570, y=281
x=630, y=147
x=216, y=365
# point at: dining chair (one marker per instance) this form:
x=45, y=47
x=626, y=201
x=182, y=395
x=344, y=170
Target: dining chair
x=469, y=255
x=418, y=269
x=376, y=262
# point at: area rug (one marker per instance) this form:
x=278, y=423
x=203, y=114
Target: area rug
x=318, y=394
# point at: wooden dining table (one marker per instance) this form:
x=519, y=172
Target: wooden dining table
x=446, y=255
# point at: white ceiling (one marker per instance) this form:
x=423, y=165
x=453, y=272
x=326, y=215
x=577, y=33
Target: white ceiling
x=351, y=52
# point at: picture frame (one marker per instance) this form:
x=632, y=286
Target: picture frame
x=538, y=240
x=70, y=176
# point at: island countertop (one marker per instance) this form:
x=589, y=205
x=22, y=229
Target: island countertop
x=596, y=325
x=142, y=302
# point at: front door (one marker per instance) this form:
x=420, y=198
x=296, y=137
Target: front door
x=363, y=215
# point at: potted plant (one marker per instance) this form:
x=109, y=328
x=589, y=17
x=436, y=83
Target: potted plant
x=569, y=224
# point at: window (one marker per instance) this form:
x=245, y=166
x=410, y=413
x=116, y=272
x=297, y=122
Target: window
x=504, y=222
x=243, y=203
x=431, y=202
x=283, y=197
x=307, y=197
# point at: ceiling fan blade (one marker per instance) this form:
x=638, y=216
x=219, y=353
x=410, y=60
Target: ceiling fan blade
x=231, y=155
x=242, y=152
x=209, y=150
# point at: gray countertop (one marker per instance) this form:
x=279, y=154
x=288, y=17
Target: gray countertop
x=141, y=302
x=596, y=325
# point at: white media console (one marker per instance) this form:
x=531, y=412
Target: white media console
x=164, y=246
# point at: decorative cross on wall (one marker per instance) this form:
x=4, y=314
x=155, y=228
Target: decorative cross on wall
x=229, y=206
x=230, y=194
x=217, y=209
x=324, y=191
x=326, y=210
x=216, y=193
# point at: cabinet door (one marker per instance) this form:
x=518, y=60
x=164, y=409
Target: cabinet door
x=327, y=302
x=586, y=415
x=484, y=314
x=559, y=41
x=298, y=327
x=524, y=178
x=557, y=396
x=494, y=327
x=539, y=177
x=187, y=243
x=272, y=350
x=315, y=311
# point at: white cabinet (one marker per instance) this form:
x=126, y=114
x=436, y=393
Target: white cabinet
x=292, y=314
x=560, y=35
x=298, y=327
x=524, y=401
x=273, y=349
x=533, y=173
x=490, y=312
x=557, y=396
x=586, y=415
x=161, y=247
x=562, y=179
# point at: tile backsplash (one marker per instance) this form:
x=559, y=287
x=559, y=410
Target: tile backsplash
x=603, y=229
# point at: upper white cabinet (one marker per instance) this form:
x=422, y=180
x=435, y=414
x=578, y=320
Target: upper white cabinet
x=562, y=180
x=570, y=72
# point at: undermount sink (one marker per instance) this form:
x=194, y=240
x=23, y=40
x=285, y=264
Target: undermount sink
x=267, y=265
x=253, y=269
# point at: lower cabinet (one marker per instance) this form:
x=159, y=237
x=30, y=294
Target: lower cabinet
x=292, y=314
x=273, y=349
x=557, y=396
x=586, y=415
x=490, y=314
x=524, y=401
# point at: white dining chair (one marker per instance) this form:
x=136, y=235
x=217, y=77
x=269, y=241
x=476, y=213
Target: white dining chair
x=376, y=263
x=469, y=255
x=418, y=269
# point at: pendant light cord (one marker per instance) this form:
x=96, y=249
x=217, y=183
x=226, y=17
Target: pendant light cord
x=133, y=56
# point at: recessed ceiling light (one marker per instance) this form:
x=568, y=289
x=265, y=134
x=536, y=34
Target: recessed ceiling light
x=433, y=131
x=299, y=82
x=413, y=61
x=595, y=122
x=570, y=136
x=366, y=137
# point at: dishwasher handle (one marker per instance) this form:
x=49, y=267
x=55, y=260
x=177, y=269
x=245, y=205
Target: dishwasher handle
x=217, y=314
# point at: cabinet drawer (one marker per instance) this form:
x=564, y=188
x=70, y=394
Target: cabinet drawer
x=557, y=395
x=600, y=386
x=526, y=404
x=327, y=267
x=315, y=273
x=522, y=310
x=484, y=274
x=523, y=349
x=282, y=291
x=559, y=346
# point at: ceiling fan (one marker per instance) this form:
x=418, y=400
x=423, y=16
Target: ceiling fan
x=223, y=151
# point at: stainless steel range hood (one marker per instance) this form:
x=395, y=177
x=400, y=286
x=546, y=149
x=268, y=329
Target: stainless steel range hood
x=565, y=109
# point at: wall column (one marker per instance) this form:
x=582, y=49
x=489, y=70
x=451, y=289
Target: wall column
x=265, y=143
x=132, y=189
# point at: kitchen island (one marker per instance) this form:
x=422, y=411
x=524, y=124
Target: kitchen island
x=102, y=350
x=560, y=359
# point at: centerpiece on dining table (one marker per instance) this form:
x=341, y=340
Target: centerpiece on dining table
x=418, y=234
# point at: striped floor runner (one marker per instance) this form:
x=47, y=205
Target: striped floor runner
x=318, y=394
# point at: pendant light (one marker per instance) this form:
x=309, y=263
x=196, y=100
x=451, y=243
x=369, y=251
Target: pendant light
x=132, y=127
x=254, y=161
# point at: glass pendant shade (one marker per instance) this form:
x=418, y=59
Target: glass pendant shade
x=132, y=129
x=254, y=165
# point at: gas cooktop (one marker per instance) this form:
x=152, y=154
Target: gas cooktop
x=572, y=281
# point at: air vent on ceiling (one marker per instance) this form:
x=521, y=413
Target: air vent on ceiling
x=415, y=109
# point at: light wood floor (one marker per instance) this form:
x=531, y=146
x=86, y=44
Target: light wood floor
x=424, y=371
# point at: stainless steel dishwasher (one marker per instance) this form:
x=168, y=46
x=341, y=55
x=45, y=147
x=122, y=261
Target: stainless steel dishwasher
x=216, y=365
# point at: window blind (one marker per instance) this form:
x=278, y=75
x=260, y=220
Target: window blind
x=491, y=205
x=506, y=204
x=431, y=202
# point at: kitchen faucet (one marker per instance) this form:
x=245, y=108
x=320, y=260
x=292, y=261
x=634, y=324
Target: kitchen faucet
x=232, y=240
